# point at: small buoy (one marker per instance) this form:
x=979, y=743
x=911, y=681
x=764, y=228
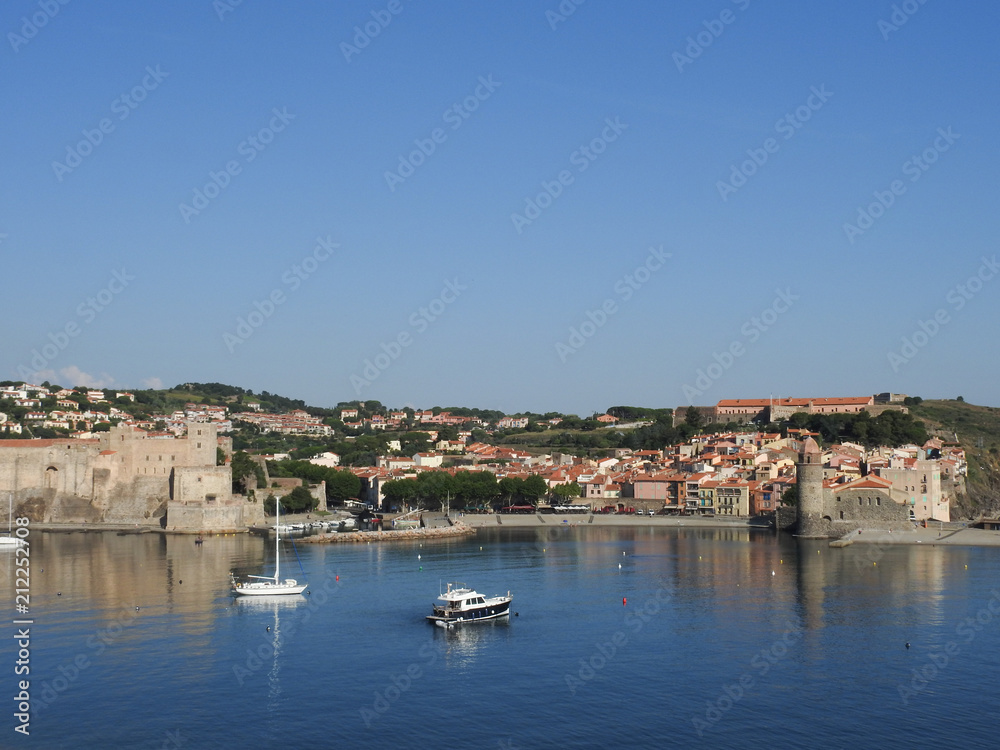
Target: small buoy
x=623, y=553
x=418, y=557
x=268, y=628
x=619, y=566
x=516, y=614
x=136, y=609
x=907, y=645
x=338, y=578
x=772, y=572
x=966, y=567
x=624, y=601
x=421, y=567
x=874, y=564
x=180, y=582
x=59, y=593
x=480, y=549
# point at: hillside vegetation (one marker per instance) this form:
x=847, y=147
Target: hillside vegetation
x=977, y=430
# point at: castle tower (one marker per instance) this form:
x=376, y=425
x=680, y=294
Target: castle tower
x=810, y=482
x=202, y=442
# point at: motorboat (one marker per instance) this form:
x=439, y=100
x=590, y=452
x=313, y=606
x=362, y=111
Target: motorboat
x=460, y=604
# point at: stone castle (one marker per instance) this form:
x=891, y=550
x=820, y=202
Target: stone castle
x=832, y=512
x=125, y=476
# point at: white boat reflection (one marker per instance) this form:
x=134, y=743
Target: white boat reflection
x=269, y=649
x=268, y=603
x=462, y=645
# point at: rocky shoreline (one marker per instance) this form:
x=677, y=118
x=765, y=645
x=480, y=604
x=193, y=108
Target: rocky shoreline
x=392, y=535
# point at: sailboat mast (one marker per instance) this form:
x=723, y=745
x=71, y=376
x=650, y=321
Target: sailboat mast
x=277, y=539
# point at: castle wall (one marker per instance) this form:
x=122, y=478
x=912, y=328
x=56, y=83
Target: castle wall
x=191, y=518
x=848, y=510
x=122, y=477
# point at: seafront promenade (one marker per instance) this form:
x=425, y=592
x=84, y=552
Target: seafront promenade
x=950, y=534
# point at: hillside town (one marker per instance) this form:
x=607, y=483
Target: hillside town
x=735, y=473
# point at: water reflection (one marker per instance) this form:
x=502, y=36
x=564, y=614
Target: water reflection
x=463, y=644
x=269, y=652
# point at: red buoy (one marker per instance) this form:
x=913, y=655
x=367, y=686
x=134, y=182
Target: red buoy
x=624, y=601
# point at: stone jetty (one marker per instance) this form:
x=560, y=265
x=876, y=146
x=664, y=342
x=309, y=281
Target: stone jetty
x=394, y=535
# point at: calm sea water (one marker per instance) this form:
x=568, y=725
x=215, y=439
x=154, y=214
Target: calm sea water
x=691, y=638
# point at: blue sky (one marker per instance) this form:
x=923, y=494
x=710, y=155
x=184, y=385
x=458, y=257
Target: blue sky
x=379, y=229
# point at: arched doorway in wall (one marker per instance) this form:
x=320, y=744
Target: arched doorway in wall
x=51, y=477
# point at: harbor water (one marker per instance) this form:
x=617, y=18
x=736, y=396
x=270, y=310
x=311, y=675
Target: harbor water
x=633, y=637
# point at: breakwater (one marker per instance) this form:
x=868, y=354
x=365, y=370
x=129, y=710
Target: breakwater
x=395, y=535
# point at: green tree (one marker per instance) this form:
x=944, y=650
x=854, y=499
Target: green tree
x=399, y=492
x=511, y=488
x=476, y=488
x=244, y=467
x=298, y=500
x=566, y=492
x=434, y=488
x=693, y=418
x=341, y=486
x=534, y=488
x=790, y=497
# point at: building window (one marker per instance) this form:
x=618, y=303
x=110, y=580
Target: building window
x=878, y=501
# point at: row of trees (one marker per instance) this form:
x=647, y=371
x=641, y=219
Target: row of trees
x=891, y=428
x=470, y=489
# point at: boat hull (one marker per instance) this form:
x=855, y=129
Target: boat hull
x=484, y=613
x=287, y=588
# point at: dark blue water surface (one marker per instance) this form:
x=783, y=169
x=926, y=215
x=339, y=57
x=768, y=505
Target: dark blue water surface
x=691, y=638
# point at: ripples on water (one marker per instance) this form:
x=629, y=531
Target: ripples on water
x=818, y=644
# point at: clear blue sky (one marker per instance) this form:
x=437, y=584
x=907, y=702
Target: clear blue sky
x=502, y=293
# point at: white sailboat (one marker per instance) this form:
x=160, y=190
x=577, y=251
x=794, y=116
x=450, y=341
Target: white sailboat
x=268, y=585
x=10, y=540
